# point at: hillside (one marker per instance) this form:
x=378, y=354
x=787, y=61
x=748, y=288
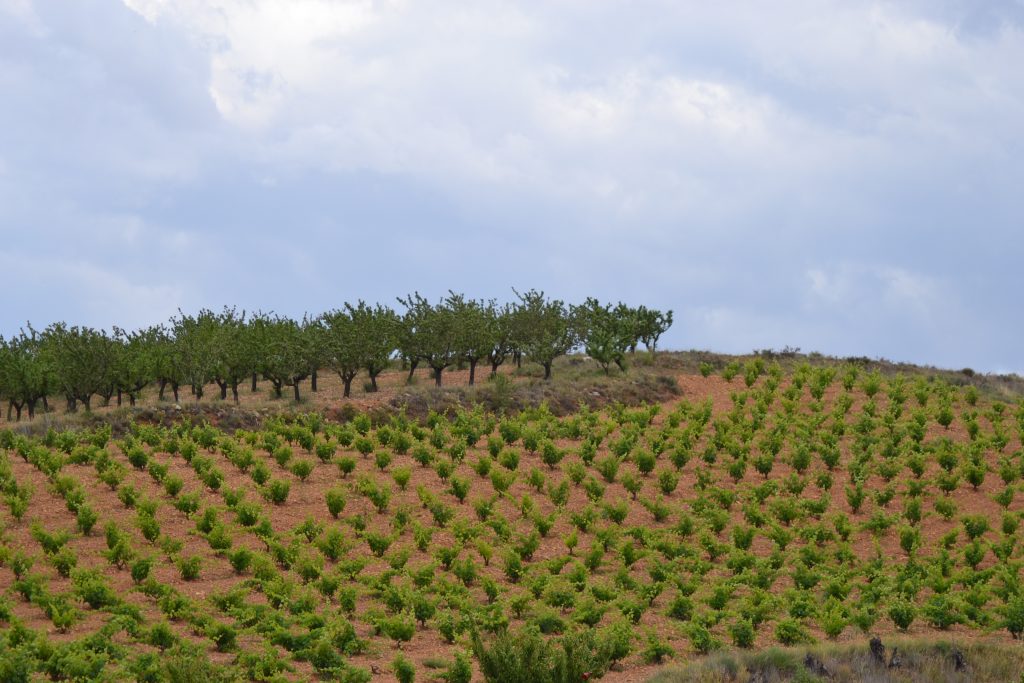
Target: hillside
x=775, y=501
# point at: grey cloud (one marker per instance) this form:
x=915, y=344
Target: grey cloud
x=706, y=158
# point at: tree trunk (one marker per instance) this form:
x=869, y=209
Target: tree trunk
x=32, y=409
x=295, y=386
x=277, y=388
x=495, y=364
x=131, y=399
x=118, y=398
x=373, y=381
x=46, y=405
x=437, y=376
x=163, y=385
x=72, y=405
x=547, y=370
x=253, y=389
x=223, y=390
x=87, y=402
x=10, y=410
x=472, y=371
x=197, y=391
x=312, y=381
x=412, y=369
x=17, y=412
x=174, y=388
x=234, y=391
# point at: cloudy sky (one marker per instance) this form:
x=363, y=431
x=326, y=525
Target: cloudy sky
x=839, y=176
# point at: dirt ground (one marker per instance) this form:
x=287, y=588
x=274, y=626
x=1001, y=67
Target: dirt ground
x=306, y=501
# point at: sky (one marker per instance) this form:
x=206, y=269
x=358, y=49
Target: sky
x=845, y=177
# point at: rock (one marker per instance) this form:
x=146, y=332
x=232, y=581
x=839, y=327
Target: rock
x=758, y=676
x=877, y=650
x=896, y=660
x=816, y=666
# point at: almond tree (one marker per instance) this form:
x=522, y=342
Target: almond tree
x=434, y=331
x=164, y=360
x=195, y=345
x=344, y=341
x=78, y=357
x=234, y=351
x=411, y=344
x=286, y=353
x=23, y=374
x=381, y=328
x=546, y=329
x=652, y=324
x=503, y=340
x=137, y=367
x=606, y=334
x=474, y=329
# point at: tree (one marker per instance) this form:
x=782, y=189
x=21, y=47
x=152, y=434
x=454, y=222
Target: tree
x=78, y=356
x=503, y=341
x=344, y=342
x=24, y=376
x=164, y=360
x=357, y=338
x=606, y=334
x=381, y=328
x=195, y=344
x=434, y=330
x=111, y=358
x=545, y=329
x=651, y=325
x=233, y=351
x=409, y=342
x=137, y=366
x=286, y=353
x=474, y=328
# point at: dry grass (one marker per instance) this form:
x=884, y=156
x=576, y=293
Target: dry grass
x=905, y=661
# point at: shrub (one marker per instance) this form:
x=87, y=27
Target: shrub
x=277, y=491
x=346, y=465
x=701, y=639
x=336, y=501
x=189, y=567
x=645, y=461
x=401, y=476
x=64, y=560
x=140, y=569
x=403, y=669
x=240, y=559
x=302, y=469
x=460, y=670
x=656, y=650
x=742, y=633
x=975, y=525
x=791, y=632
x=902, y=613
x=668, y=480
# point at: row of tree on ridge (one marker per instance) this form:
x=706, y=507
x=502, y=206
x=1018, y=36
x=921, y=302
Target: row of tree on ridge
x=231, y=348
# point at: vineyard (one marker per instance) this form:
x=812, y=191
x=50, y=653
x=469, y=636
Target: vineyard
x=764, y=507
